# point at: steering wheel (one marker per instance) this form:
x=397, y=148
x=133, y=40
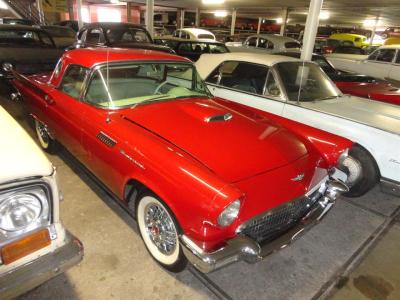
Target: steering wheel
x=158, y=88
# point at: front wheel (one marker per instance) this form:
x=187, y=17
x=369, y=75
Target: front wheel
x=45, y=141
x=159, y=231
x=360, y=161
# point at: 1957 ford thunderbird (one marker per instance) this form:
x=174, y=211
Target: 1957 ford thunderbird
x=209, y=181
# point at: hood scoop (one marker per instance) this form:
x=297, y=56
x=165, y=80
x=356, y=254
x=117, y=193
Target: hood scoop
x=219, y=118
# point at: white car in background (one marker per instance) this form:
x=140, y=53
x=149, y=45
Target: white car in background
x=302, y=92
x=265, y=43
x=383, y=63
x=34, y=245
x=196, y=34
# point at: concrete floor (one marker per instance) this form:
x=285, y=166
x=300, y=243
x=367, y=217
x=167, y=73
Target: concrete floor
x=352, y=254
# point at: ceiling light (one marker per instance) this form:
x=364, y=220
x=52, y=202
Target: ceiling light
x=220, y=13
x=324, y=15
x=213, y=2
x=3, y=5
x=279, y=21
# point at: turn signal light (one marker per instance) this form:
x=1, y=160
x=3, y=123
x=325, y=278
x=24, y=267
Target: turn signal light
x=25, y=246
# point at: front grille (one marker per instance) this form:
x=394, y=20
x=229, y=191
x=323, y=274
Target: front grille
x=277, y=221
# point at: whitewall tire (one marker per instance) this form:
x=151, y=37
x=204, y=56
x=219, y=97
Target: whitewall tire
x=160, y=233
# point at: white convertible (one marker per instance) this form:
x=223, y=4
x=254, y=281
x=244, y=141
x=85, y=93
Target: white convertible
x=383, y=63
x=301, y=91
x=34, y=245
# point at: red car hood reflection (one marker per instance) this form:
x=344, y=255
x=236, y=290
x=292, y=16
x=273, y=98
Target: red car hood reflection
x=235, y=148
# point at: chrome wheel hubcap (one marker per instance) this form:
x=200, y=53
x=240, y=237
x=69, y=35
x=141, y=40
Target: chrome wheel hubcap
x=160, y=228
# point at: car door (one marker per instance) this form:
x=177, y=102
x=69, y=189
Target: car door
x=378, y=63
x=394, y=72
x=99, y=135
x=65, y=110
x=247, y=83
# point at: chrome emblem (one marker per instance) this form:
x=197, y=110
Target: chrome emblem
x=298, y=177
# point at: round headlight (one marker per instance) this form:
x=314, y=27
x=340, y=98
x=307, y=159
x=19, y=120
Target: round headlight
x=19, y=211
x=229, y=214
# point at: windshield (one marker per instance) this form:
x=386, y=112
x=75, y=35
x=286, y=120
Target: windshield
x=132, y=84
x=304, y=81
x=127, y=35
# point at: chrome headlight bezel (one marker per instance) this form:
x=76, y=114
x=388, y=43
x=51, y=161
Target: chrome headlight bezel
x=35, y=191
x=229, y=214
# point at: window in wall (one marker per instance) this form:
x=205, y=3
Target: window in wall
x=108, y=14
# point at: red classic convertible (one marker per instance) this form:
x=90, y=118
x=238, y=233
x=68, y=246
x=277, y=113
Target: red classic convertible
x=209, y=181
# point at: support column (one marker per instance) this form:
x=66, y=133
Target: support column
x=284, y=21
x=259, y=25
x=373, y=31
x=182, y=19
x=197, y=17
x=129, y=11
x=233, y=23
x=150, y=17
x=71, y=10
x=79, y=11
x=310, y=31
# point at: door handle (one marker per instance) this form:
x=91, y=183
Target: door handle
x=48, y=99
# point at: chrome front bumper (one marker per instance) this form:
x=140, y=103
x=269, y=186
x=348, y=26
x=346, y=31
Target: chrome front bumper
x=33, y=274
x=243, y=248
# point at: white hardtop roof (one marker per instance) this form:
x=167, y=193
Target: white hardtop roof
x=208, y=62
x=197, y=31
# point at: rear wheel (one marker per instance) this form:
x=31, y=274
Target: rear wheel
x=360, y=161
x=45, y=141
x=160, y=232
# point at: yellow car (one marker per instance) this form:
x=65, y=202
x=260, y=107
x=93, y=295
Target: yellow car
x=392, y=41
x=357, y=39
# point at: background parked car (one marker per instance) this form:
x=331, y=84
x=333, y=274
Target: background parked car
x=349, y=50
x=193, y=34
x=264, y=43
x=193, y=49
x=121, y=35
x=383, y=63
x=30, y=50
x=324, y=45
x=62, y=36
x=357, y=39
x=34, y=245
x=356, y=84
x=274, y=84
x=391, y=32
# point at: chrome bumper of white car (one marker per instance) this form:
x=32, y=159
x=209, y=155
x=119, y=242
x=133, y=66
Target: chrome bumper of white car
x=244, y=248
x=34, y=273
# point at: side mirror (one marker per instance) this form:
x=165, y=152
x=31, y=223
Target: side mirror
x=7, y=67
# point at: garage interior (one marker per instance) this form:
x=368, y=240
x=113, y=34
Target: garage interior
x=353, y=253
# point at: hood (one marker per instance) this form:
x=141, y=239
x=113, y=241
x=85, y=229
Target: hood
x=20, y=156
x=351, y=77
x=361, y=110
x=231, y=144
x=146, y=46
